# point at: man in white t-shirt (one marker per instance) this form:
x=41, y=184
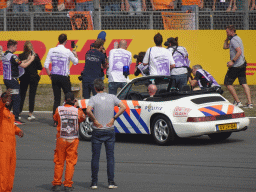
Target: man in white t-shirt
x=118, y=58
x=159, y=59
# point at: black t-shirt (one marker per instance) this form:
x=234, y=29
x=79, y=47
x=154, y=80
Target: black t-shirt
x=35, y=65
x=92, y=67
x=202, y=79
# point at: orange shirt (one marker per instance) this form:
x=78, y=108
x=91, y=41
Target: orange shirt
x=68, y=5
x=3, y=4
x=191, y=2
x=162, y=4
x=19, y=1
x=56, y=117
x=42, y=2
x=82, y=1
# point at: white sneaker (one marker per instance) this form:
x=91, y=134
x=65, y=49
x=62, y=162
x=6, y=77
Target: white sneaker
x=249, y=106
x=238, y=104
x=32, y=117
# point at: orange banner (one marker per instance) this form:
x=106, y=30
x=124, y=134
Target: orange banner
x=81, y=20
x=177, y=21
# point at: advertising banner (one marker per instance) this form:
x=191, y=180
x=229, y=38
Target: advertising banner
x=204, y=47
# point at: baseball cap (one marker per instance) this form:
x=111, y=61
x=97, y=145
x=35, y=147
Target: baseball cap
x=69, y=96
x=102, y=35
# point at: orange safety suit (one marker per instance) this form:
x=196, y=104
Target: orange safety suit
x=3, y=4
x=66, y=150
x=162, y=4
x=8, y=130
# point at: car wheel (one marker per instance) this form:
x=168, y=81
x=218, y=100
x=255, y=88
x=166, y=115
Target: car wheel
x=85, y=129
x=220, y=136
x=162, y=130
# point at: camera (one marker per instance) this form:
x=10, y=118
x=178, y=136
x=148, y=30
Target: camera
x=73, y=45
x=80, y=78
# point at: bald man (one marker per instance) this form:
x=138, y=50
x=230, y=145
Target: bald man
x=118, y=58
x=152, y=89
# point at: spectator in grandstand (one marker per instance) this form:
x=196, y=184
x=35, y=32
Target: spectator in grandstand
x=13, y=68
x=60, y=58
x=180, y=56
x=136, y=5
x=202, y=78
x=42, y=6
x=30, y=78
x=220, y=5
x=251, y=5
x=3, y=6
x=84, y=5
x=119, y=59
x=112, y=6
x=159, y=59
x=230, y=6
x=161, y=5
x=20, y=6
x=236, y=66
x=94, y=62
x=66, y=5
x=191, y=5
x=140, y=68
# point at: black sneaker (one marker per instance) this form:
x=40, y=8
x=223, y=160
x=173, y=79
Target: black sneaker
x=56, y=188
x=69, y=188
x=93, y=186
x=112, y=185
x=19, y=122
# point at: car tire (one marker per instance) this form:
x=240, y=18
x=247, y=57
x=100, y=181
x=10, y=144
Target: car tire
x=85, y=130
x=220, y=136
x=162, y=130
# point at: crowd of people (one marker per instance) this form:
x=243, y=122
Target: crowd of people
x=170, y=61
x=132, y=6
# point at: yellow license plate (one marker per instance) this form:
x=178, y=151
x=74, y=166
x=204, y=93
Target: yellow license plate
x=229, y=126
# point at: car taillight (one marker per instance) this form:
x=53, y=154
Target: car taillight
x=216, y=117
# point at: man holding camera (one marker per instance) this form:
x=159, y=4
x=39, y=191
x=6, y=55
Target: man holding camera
x=60, y=58
x=12, y=70
x=119, y=63
x=236, y=66
x=94, y=62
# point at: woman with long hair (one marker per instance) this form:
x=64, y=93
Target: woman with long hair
x=30, y=78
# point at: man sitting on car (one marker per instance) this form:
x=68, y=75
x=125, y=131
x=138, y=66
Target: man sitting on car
x=202, y=78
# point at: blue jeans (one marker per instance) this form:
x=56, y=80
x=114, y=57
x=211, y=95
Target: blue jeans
x=135, y=6
x=108, y=138
x=85, y=6
x=113, y=8
x=179, y=80
x=87, y=89
x=113, y=86
x=14, y=84
x=24, y=7
x=189, y=8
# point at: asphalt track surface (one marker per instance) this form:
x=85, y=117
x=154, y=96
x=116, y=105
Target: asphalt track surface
x=194, y=164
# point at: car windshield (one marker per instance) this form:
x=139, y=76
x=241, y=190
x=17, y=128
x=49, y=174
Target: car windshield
x=138, y=89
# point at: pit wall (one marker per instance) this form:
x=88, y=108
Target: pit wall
x=204, y=47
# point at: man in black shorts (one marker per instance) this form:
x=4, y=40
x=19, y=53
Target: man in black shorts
x=236, y=66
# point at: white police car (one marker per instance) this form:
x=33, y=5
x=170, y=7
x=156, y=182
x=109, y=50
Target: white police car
x=171, y=113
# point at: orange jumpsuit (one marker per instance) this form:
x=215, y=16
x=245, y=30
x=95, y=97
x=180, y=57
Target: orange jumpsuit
x=66, y=150
x=8, y=130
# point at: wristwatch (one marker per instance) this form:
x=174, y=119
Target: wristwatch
x=233, y=61
x=115, y=118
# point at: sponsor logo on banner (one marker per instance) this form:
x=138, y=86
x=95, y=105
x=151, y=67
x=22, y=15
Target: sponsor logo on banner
x=151, y=108
x=181, y=111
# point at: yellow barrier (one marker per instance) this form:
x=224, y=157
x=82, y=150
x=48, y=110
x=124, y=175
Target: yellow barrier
x=204, y=47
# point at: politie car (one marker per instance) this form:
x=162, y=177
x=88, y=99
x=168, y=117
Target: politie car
x=171, y=113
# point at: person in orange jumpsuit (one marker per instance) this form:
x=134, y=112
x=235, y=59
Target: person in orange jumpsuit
x=8, y=130
x=68, y=118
